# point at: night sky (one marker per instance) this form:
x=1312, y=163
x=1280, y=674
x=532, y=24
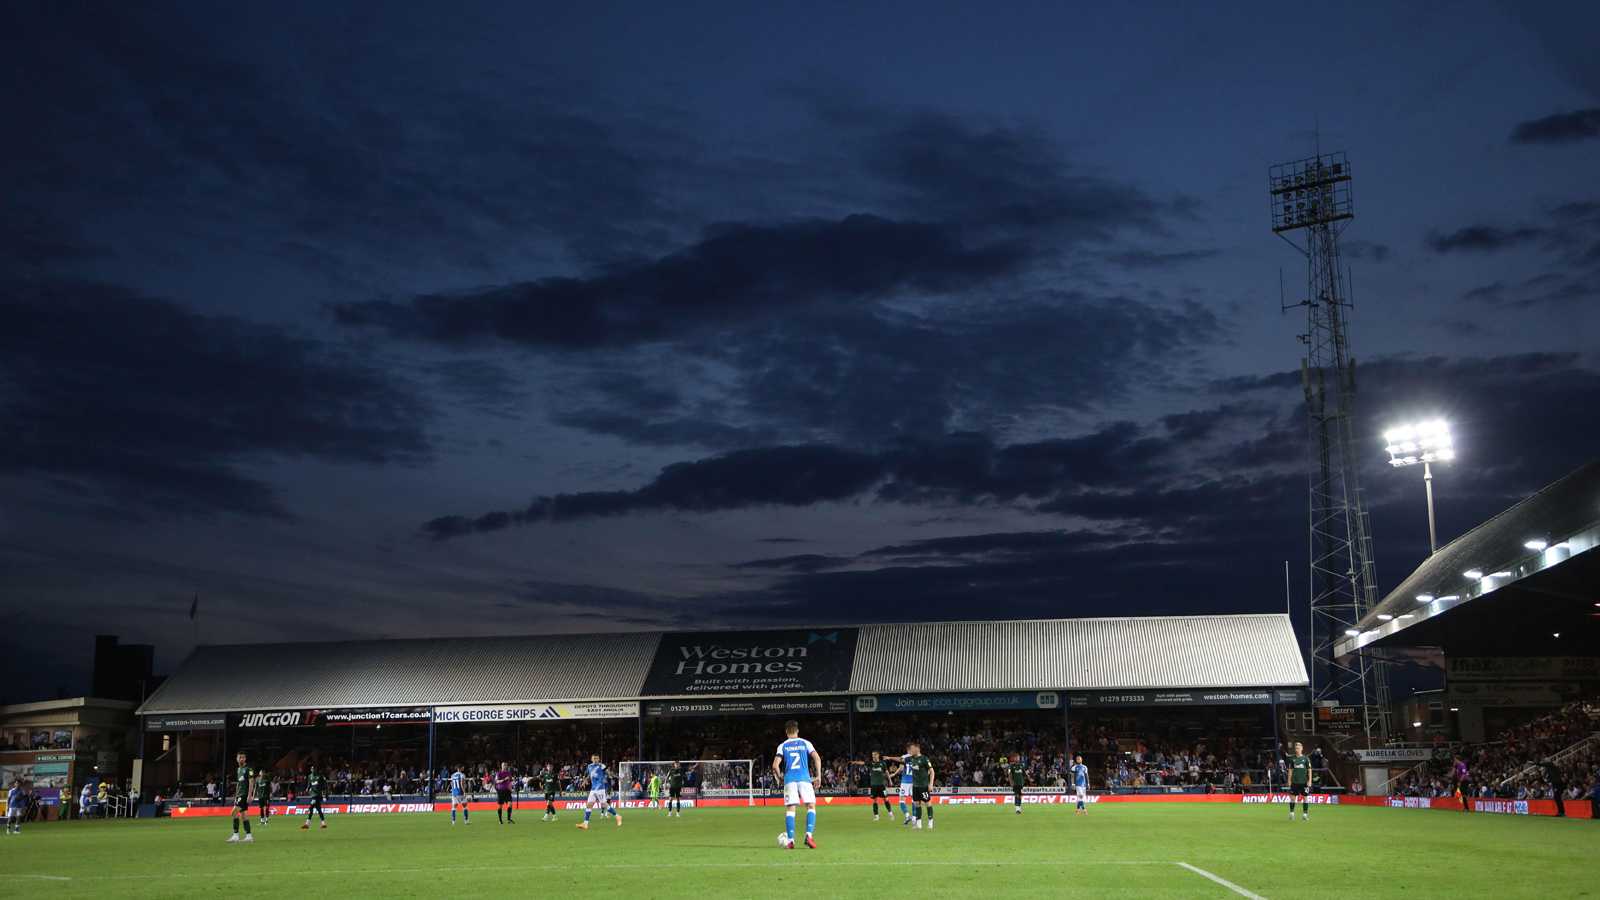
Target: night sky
x=391, y=320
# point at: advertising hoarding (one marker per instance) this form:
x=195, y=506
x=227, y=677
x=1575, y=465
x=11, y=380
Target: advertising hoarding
x=526, y=712
x=785, y=706
x=794, y=661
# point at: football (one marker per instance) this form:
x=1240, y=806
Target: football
x=783, y=839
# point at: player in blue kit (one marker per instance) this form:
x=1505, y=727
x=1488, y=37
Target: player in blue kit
x=905, y=788
x=1080, y=783
x=598, y=779
x=793, y=762
x=16, y=803
x=458, y=796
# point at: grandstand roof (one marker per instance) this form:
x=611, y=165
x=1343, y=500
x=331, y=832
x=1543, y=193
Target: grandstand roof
x=1528, y=594
x=1257, y=651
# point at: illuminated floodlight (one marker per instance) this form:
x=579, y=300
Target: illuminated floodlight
x=1474, y=574
x=1536, y=545
x=1385, y=617
x=1353, y=632
x=1407, y=616
x=1422, y=443
x=1424, y=598
x=1425, y=443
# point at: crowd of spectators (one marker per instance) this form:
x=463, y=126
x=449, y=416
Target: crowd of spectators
x=1513, y=765
x=968, y=751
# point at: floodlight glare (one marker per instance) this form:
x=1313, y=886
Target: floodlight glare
x=1474, y=574
x=1426, y=443
x=1536, y=545
x=1424, y=598
x=1385, y=617
x=1353, y=632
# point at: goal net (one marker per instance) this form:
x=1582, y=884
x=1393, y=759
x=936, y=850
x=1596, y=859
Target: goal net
x=709, y=779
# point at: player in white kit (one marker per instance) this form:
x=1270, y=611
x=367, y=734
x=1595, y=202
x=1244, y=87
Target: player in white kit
x=598, y=778
x=795, y=757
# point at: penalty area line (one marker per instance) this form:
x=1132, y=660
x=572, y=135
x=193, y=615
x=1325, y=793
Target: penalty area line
x=744, y=865
x=1222, y=881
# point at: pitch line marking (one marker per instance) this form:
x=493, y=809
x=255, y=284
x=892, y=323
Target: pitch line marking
x=1222, y=881
x=873, y=863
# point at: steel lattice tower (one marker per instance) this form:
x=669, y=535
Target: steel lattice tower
x=1313, y=196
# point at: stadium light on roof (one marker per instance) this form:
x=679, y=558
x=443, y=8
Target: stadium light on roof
x=1474, y=574
x=1353, y=632
x=1424, y=598
x=1425, y=443
x=1536, y=545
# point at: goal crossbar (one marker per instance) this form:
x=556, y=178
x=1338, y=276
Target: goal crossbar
x=709, y=778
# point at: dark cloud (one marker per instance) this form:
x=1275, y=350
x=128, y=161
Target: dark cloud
x=988, y=176
x=806, y=562
x=128, y=400
x=735, y=272
x=1148, y=259
x=317, y=132
x=1568, y=235
x=1559, y=128
x=867, y=377
x=1483, y=237
x=1371, y=251
x=960, y=468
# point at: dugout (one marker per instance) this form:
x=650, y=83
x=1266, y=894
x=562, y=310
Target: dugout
x=702, y=694
x=1510, y=610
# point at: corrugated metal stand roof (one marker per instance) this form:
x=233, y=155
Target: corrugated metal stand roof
x=1177, y=652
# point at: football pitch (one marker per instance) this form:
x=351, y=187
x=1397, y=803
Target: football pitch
x=1145, y=851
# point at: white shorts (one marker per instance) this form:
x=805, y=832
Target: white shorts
x=1082, y=790
x=905, y=788
x=458, y=799
x=598, y=796
x=798, y=792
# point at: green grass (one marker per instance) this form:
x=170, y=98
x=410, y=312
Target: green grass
x=1119, y=851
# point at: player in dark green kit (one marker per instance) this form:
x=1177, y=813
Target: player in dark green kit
x=1018, y=770
x=921, y=784
x=674, y=804
x=241, y=800
x=264, y=796
x=315, y=789
x=552, y=790
x=878, y=775
x=1299, y=782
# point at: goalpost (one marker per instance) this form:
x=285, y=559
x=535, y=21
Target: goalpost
x=710, y=779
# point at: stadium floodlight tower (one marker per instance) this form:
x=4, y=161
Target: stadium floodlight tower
x=1427, y=444
x=1312, y=197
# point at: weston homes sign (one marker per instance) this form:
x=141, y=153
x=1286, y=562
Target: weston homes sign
x=752, y=662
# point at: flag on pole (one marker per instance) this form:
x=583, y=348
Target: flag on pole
x=194, y=605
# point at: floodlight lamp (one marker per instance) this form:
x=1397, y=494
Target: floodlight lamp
x=1353, y=632
x=1474, y=574
x=1407, y=616
x=1385, y=617
x=1416, y=724
x=1536, y=545
x=1424, y=598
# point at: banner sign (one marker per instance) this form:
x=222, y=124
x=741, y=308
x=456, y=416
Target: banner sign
x=1395, y=754
x=977, y=700
x=752, y=662
x=307, y=718
x=396, y=715
x=1339, y=718
x=1523, y=668
x=746, y=707
x=270, y=719
x=523, y=712
x=1199, y=697
x=1511, y=693
x=54, y=757
x=191, y=722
